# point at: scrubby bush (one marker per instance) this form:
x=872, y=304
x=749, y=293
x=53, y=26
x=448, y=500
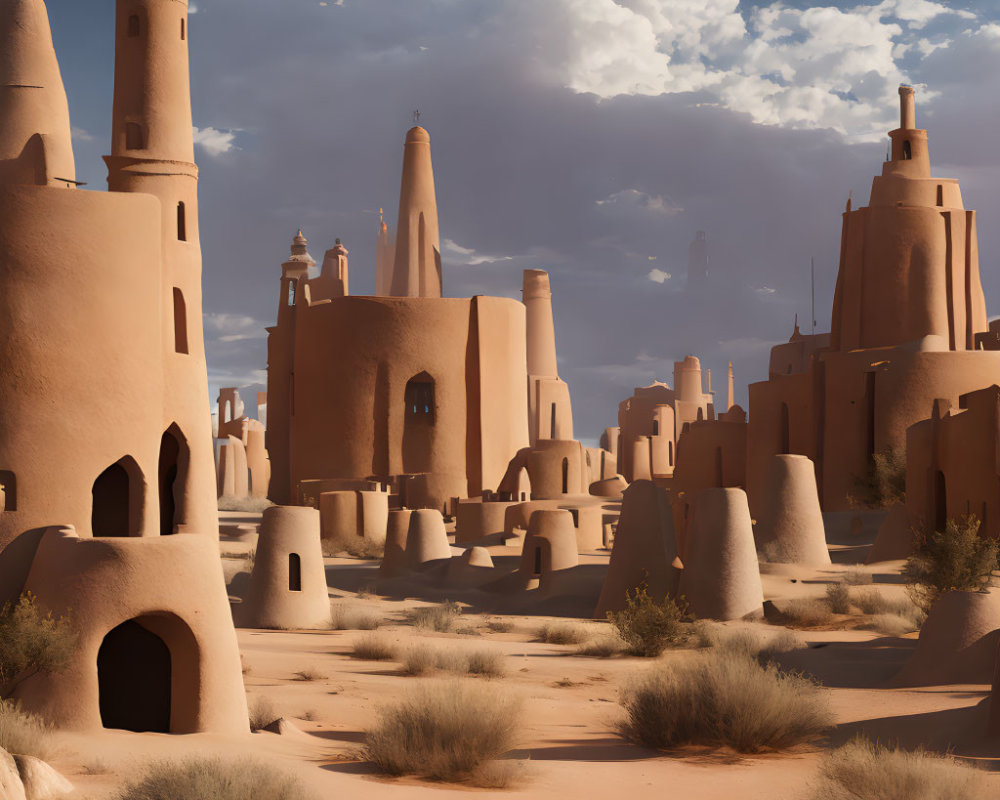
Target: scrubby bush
x=883, y=484
x=723, y=699
x=647, y=627
x=858, y=576
x=563, y=633
x=499, y=625
x=356, y=546
x=215, y=778
x=372, y=647
x=31, y=641
x=262, y=712
x=838, y=596
x=447, y=732
x=956, y=559
x=891, y=624
x=760, y=644
x=808, y=612
x=351, y=618
x=23, y=733
x=861, y=770
x=310, y=674
x=253, y=505
x=441, y=617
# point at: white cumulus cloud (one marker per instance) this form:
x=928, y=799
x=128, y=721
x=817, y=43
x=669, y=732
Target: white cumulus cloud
x=215, y=142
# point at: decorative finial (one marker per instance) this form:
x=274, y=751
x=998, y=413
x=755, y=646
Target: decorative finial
x=337, y=240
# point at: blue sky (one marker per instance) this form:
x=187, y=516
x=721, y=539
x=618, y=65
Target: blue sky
x=591, y=138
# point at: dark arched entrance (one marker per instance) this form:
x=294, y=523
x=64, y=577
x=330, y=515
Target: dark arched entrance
x=112, y=503
x=173, y=462
x=419, y=416
x=134, y=679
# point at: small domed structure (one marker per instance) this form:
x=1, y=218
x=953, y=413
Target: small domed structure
x=426, y=539
x=791, y=530
x=397, y=531
x=549, y=547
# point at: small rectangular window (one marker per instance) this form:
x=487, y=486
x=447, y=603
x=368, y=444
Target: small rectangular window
x=133, y=25
x=8, y=483
x=181, y=223
x=183, y=30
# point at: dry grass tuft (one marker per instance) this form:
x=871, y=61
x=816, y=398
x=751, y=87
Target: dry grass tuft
x=424, y=659
x=217, y=779
x=838, y=596
x=723, y=699
x=372, y=647
x=356, y=546
x=874, y=603
x=310, y=674
x=648, y=627
x=441, y=617
x=351, y=618
x=759, y=644
x=447, y=732
x=22, y=732
x=806, y=612
x=861, y=770
x=498, y=625
x=563, y=633
x=602, y=647
x=858, y=576
x=253, y=505
x=891, y=624
x=262, y=712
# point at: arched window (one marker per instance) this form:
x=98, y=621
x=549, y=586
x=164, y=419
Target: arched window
x=181, y=223
x=419, y=398
x=172, y=472
x=291, y=293
x=656, y=427
x=135, y=136
x=180, y=323
x=117, y=497
x=133, y=25
x=907, y=151
x=294, y=572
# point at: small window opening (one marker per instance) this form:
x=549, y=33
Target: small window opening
x=565, y=476
x=575, y=513
x=291, y=293
x=656, y=427
x=538, y=562
x=419, y=397
x=907, y=151
x=181, y=223
x=294, y=572
x=670, y=453
x=940, y=195
x=133, y=25
x=180, y=323
x=8, y=483
x=552, y=423
x=183, y=29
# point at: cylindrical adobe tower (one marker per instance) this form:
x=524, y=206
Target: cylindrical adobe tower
x=416, y=270
x=152, y=152
x=537, y=298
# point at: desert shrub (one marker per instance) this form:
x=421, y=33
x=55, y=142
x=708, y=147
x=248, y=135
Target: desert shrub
x=372, y=647
x=562, y=633
x=23, y=733
x=891, y=624
x=723, y=699
x=602, y=647
x=487, y=663
x=956, y=559
x=262, y=712
x=883, y=484
x=350, y=618
x=807, y=612
x=31, y=641
x=254, y=505
x=441, y=617
x=238, y=779
x=356, y=546
x=838, y=596
x=310, y=674
x=858, y=576
x=499, y=625
x=446, y=732
x=648, y=627
x=861, y=770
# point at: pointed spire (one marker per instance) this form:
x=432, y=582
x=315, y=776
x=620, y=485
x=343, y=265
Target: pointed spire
x=730, y=389
x=300, y=251
x=35, y=141
x=416, y=270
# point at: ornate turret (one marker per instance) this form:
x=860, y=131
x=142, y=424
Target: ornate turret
x=35, y=140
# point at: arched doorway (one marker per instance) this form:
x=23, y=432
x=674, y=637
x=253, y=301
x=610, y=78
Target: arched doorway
x=171, y=473
x=134, y=679
x=117, y=500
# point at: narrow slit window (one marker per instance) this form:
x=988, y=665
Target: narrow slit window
x=183, y=29
x=180, y=323
x=181, y=223
x=8, y=485
x=907, y=150
x=294, y=572
x=133, y=25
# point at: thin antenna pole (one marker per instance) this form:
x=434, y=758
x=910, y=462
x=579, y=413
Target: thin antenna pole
x=812, y=270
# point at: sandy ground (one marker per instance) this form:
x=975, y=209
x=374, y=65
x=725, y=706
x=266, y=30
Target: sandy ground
x=568, y=741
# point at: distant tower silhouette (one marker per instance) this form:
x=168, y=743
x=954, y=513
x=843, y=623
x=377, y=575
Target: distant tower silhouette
x=416, y=268
x=698, y=261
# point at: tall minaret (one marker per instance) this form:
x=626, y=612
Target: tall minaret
x=416, y=270
x=152, y=152
x=537, y=298
x=35, y=140
x=730, y=391
x=383, y=259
